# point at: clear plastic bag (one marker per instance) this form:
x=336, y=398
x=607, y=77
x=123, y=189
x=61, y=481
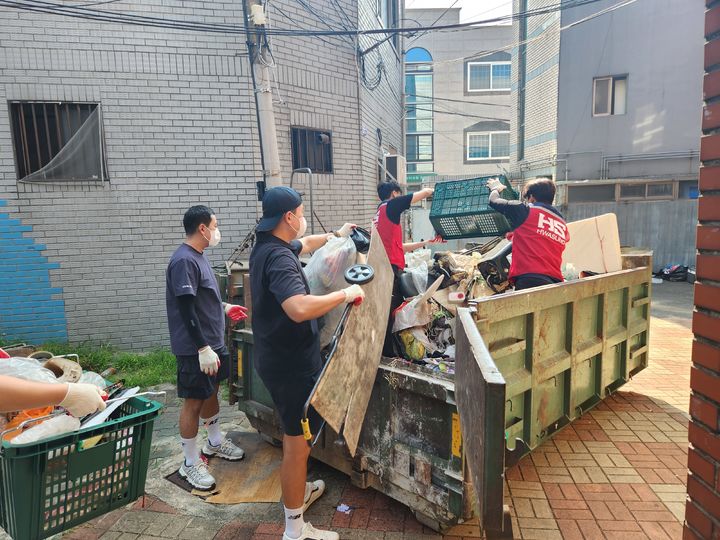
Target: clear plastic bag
x=91, y=377
x=52, y=427
x=28, y=369
x=326, y=273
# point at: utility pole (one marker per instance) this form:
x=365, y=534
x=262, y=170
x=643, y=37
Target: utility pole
x=260, y=62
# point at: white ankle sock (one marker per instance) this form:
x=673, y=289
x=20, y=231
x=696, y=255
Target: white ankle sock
x=215, y=436
x=190, y=451
x=294, y=522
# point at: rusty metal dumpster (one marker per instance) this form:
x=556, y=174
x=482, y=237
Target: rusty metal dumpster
x=528, y=364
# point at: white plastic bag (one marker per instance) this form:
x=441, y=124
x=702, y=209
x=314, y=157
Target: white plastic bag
x=326, y=273
x=26, y=368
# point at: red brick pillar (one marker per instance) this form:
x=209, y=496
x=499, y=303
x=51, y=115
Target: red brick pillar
x=702, y=513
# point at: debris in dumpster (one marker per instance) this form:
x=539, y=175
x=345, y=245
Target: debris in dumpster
x=594, y=244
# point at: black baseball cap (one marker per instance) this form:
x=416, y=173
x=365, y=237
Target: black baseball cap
x=276, y=203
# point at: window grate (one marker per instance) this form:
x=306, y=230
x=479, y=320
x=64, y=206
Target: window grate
x=312, y=148
x=42, y=133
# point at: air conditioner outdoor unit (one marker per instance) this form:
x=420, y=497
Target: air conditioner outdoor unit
x=395, y=165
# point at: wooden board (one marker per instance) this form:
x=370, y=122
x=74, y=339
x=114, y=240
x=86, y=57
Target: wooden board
x=255, y=479
x=344, y=390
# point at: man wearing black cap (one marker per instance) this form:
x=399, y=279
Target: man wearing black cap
x=287, y=341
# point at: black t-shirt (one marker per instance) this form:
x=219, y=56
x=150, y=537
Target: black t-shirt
x=517, y=212
x=396, y=206
x=189, y=272
x=282, y=348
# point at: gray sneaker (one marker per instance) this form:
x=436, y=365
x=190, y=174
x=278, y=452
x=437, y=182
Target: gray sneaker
x=313, y=491
x=226, y=450
x=198, y=475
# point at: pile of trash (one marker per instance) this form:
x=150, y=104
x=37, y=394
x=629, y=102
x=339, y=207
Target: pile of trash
x=31, y=425
x=434, y=286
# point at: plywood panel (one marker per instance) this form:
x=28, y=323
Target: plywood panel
x=344, y=390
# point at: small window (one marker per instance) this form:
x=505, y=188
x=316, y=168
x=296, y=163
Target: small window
x=488, y=76
x=419, y=147
x=632, y=191
x=312, y=148
x=58, y=141
x=494, y=145
x=649, y=191
x=610, y=96
x=597, y=193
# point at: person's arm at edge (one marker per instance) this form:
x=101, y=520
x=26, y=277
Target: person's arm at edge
x=313, y=242
x=306, y=307
x=422, y=194
x=19, y=394
x=186, y=306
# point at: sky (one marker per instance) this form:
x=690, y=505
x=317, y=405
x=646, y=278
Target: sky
x=472, y=10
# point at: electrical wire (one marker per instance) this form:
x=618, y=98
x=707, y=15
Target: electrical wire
x=421, y=34
x=465, y=101
x=40, y=6
x=544, y=35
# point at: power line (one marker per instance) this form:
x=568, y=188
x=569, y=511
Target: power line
x=465, y=101
x=544, y=35
x=435, y=21
x=40, y=6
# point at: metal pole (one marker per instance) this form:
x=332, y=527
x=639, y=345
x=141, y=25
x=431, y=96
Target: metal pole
x=260, y=64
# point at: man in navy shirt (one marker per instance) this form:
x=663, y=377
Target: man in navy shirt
x=196, y=320
x=287, y=342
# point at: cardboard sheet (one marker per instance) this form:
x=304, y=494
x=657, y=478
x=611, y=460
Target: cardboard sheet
x=594, y=245
x=255, y=479
x=344, y=390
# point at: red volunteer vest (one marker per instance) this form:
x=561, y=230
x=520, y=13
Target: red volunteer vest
x=391, y=236
x=538, y=244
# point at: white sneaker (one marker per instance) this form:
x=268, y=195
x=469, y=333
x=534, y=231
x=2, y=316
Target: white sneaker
x=226, y=450
x=198, y=475
x=313, y=491
x=311, y=533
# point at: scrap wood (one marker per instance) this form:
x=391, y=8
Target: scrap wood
x=344, y=390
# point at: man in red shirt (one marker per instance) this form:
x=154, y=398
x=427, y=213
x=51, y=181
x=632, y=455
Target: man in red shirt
x=539, y=233
x=387, y=223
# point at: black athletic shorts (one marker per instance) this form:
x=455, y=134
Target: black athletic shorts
x=193, y=383
x=289, y=395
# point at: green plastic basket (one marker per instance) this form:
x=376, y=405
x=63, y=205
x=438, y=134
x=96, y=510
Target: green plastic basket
x=460, y=209
x=55, y=484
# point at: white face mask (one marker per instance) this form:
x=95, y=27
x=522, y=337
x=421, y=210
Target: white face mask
x=214, y=239
x=299, y=233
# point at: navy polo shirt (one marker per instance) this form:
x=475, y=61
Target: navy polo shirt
x=189, y=272
x=282, y=348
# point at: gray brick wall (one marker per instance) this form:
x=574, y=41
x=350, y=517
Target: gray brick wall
x=541, y=93
x=179, y=123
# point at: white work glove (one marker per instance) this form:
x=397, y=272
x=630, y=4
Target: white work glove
x=83, y=399
x=209, y=360
x=346, y=230
x=495, y=185
x=354, y=293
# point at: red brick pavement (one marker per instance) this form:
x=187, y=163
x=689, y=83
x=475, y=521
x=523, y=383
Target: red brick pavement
x=618, y=472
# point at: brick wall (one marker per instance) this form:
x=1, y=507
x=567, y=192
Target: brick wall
x=702, y=517
x=180, y=129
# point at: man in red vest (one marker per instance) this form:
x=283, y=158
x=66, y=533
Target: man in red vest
x=387, y=223
x=539, y=233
